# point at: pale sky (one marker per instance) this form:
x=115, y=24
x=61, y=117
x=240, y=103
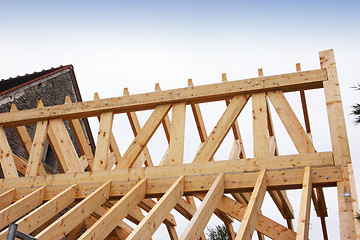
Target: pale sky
x=135, y=44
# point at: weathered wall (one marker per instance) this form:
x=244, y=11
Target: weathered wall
x=52, y=91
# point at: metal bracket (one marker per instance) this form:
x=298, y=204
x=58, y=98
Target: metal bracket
x=347, y=194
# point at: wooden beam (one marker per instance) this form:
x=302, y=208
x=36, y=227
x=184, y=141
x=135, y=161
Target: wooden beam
x=123, y=229
x=7, y=198
x=238, y=145
x=304, y=105
x=113, y=145
x=220, y=91
x=304, y=213
x=177, y=134
x=21, y=165
x=198, y=117
x=62, y=146
x=201, y=217
x=116, y=213
x=208, y=149
x=21, y=207
x=45, y=212
x=80, y=137
x=103, y=141
x=37, y=149
x=62, y=226
x=348, y=206
x=264, y=225
x=74, y=234
x=260, y=130
x=156, y=216
x=253, y=209
x=6, y=157
x=23, y=134
x=148, y=204
x=166, y=121
x=290, y=166
x=145, y=157
x=296, y=132
x=140, y=141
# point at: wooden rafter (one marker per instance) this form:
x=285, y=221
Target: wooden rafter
x=157, y=214
x=61, y=227
x=95, y=192
x=116, y=213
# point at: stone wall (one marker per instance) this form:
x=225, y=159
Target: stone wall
x=52, y=91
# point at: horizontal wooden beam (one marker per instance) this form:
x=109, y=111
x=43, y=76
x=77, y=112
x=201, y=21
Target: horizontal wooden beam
x=156, y=187
x=214, y=167
x=212, y=92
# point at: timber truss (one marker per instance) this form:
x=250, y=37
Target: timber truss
x=96, y=192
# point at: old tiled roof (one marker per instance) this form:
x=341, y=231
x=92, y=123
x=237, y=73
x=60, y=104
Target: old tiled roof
x=11, y=84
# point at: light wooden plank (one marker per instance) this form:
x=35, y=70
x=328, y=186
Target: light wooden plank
x=264, y=225
x=172, y=232
x=201, y=217
x=279, y=165
x=62, y=146
x=252, y=212
x=144, y=157
x=122, y=230
x=116, y=213
x=21, y=207
x=238, y=145
x=156, y=216
x=177, y=134
x=222, y=127
x=6, y=157
x=304, y=213
x=348, y=207
x=73, y=235
x=80, y=137
x=21, y=165
x=212, y=92
x=44, y=213
x=198, y=117
x=37, y=149
x=23, y=134
x=339, y=139
x=143, y=137
x=296, y=132
x=62, y=226
x=166, y=121
x=148, y=204
x=113, y=145
x=260, y=124
x=103, y=141
x=7, y=198
x=304, y=105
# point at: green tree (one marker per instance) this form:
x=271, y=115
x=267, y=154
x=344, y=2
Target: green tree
x=356, y=108
x=217, y=233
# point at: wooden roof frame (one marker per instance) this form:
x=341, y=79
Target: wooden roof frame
x=97, y=192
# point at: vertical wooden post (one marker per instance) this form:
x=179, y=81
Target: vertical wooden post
x=6, y=157
x=347, y=197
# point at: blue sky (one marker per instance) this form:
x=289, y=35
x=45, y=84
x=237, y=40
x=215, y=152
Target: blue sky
x=134, y=44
